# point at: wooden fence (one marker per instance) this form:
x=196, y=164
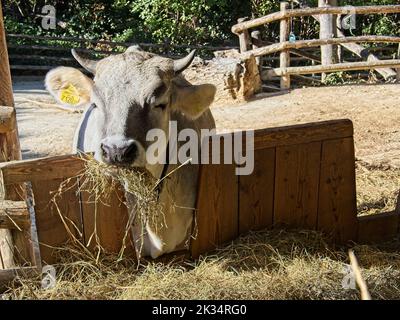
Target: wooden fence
x=252, y=45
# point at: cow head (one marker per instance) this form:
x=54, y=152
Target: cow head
x=131, y=93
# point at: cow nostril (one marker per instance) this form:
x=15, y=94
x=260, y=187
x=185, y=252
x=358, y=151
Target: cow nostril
x=104, y=149
x=131, y=151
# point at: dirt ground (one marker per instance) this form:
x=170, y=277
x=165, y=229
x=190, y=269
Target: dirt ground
x=374, y=109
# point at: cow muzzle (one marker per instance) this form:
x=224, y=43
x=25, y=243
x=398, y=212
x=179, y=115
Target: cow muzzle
x=119, y=151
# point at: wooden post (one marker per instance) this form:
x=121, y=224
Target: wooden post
x=325, y=32
x=9, y=145
x=10, y=148
x=335, y=53
x=244, y=37
x=285, y=54
x=255, y=38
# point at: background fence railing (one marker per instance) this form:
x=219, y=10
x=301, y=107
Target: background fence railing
x=330, y=35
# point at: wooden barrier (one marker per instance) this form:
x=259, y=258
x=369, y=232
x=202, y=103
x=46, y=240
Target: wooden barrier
x=304, y=177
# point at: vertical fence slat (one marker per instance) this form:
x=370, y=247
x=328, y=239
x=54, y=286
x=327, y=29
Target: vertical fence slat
x=52, y=232
x=337, y=207
x=217, y=207
x=296, y=185
x=105, y=222
x=256, y=193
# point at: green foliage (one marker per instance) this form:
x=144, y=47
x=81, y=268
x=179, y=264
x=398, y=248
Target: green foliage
x=187, y=21
x=174, y=21
x=337, y=78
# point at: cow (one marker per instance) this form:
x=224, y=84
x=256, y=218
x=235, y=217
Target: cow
x=130, y=94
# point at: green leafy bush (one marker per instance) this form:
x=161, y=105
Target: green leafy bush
x=175, y=21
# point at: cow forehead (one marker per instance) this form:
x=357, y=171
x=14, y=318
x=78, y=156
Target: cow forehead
x=128, y=74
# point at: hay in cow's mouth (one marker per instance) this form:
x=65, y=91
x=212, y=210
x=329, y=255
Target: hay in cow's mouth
x=140, y=189
x=101, y=181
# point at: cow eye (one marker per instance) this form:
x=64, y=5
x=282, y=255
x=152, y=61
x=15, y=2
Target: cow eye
x=161, y=106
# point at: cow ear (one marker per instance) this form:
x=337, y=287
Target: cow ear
x=192, y=100
x=70, y=87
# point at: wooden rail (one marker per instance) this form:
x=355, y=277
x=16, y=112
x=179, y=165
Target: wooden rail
x=352, y=66
x=286, y=45
x=277, y=16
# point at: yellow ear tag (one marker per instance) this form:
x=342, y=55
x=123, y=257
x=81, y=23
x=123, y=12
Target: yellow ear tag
x=70, y=95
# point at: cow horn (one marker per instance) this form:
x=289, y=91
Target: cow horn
x=89, y=65
x=182, y=64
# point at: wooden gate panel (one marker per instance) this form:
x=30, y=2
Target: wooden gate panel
x=256, y=193
x=296, y=185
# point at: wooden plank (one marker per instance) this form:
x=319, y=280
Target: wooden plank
x=14, y=215
x=296, y=185
x=105, y=222
x=256, y=193
x=52, y=232
x=302, y=44
x=303, y=133
x=350, y=66
x=217, y=208
x=337, y=208
x=8, y=275
x=237, y=28
x=48, y=168
x=378, y=227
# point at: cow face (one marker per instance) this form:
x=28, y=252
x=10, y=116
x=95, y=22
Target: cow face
x=132, y=93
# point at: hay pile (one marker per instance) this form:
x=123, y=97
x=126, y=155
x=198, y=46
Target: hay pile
x=261, y=265
x=377, y=188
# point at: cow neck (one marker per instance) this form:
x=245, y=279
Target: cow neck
x=163, y=173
